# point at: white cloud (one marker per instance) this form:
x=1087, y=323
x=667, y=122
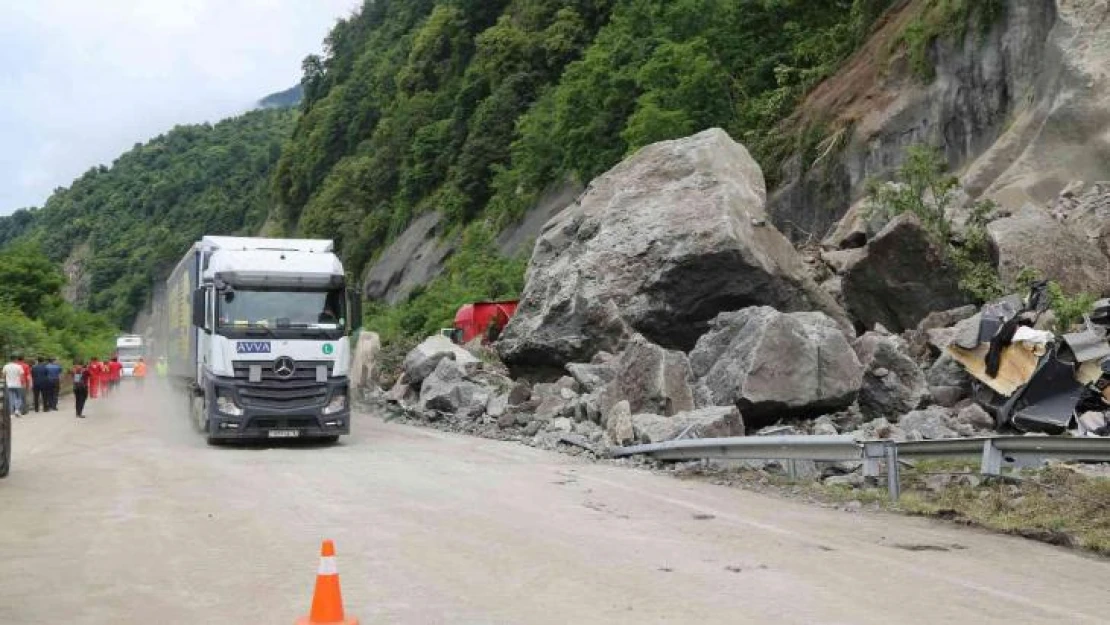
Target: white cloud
x=81, y=81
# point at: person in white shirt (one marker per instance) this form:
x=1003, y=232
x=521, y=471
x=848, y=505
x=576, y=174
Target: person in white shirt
x=13, y=380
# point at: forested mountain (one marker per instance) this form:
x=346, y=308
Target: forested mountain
x=474, y=107
x=283, y=99
x=467, y=107
x=120, y=228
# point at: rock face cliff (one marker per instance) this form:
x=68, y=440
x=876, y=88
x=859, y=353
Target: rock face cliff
x=1017, y=104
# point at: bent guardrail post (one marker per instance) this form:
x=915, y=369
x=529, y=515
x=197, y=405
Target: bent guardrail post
x=992, y=459
x=893, y=479
x=873, y=454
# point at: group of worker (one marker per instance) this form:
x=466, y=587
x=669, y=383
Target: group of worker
x=43, y=381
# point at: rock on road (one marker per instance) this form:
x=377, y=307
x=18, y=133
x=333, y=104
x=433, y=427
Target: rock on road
x=128, y=517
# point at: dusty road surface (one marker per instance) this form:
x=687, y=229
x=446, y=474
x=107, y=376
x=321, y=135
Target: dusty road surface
x=128, y=517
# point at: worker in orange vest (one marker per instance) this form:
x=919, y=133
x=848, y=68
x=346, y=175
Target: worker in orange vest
x=139, y=372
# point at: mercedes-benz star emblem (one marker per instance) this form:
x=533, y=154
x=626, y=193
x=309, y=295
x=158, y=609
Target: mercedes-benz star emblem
x=284, y=367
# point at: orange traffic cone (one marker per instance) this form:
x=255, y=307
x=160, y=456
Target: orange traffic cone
x=327, y=601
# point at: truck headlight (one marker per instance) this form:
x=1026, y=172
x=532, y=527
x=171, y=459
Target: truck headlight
x=337, y=403
x=226, y=405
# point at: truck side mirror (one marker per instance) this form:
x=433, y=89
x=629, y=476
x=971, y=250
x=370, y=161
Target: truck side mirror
x=200, y=318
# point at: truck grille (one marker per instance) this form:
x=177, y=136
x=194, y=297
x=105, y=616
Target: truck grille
x=305, y=370
x=299, y=389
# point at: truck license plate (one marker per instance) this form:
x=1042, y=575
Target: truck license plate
x=284, y=433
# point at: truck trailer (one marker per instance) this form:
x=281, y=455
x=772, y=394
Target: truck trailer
x=256, y=334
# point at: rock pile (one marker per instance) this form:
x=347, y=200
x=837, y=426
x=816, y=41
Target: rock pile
x=662, y=305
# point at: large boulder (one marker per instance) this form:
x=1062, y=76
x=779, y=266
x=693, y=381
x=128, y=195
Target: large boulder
x=364, y=361
x=772, y=364
x=658, y=245
x=1031, y=238
x=713, y=422
x=652, y=379
x=425, y=357
x=446, y=390
x=893, y=384
x=902, y=278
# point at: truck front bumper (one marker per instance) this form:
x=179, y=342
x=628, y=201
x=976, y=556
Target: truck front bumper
x=268, y=422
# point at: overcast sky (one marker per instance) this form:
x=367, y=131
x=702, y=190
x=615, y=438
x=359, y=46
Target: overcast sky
x=81, y=81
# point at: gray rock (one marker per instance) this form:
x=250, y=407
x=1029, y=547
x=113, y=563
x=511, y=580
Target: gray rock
x=974, y=416
x=947, y=396
x=929, y=424
x=947, y=372
x=532, y=428
x=902, y=278
x=602, y=358
x=880, y=429
x=497, y=406
x=591, y=377
x=507, y=421
x=402, y=393
x=659, y=245
x=824, y=426
x=947, y=318
x=520, y=393
x=561, y=424
x=1031, y=238
x=588, y=429
x=618, y=424
x=773, y=365
x=715, y=422
x=651, y=378
x=423, y=359
x=893, y=384
x=567, y=394
x=446, y=390
x=841, y=260
x=569, y=383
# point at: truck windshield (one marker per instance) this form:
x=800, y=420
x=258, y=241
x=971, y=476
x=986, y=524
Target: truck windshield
x=129, y=354
x=281, y=309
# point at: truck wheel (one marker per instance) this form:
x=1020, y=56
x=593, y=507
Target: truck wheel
x=5, y=442
x=198, y=413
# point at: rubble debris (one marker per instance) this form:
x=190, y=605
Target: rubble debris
x=423, y=359
x=1027, y=378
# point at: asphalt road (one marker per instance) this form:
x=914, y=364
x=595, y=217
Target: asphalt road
x=128, y=517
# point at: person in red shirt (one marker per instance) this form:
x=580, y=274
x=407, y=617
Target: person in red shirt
x=93, y=371
x=115, y=373
x=27, y=381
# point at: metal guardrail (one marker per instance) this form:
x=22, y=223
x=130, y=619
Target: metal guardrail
x=824, y=448
x=993, y=452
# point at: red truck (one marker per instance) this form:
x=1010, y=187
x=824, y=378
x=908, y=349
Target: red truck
x=483, y=319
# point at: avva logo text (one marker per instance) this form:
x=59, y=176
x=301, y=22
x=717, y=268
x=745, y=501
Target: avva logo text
x=252, y=347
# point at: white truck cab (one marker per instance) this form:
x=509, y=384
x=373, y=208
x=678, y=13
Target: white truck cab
x=258, y=331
